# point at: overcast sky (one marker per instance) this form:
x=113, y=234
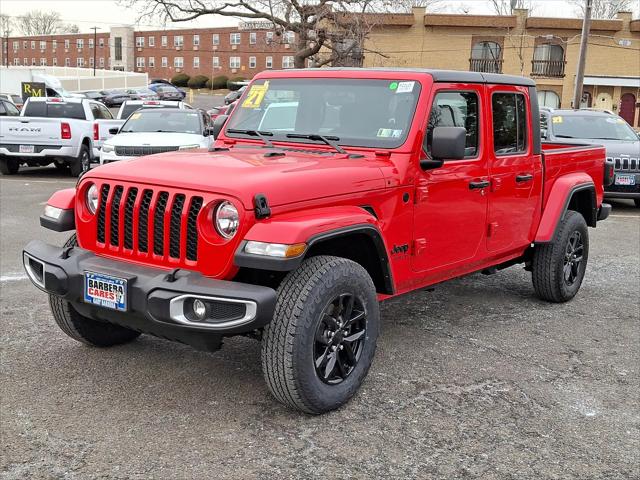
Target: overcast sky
x=103, y=13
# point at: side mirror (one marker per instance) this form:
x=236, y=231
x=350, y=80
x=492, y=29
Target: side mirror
x=448, y=143
x=208, y=131
x=114, y=130
x=217, y=126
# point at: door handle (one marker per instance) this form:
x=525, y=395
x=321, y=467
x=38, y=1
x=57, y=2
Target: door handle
x=525, y=177
x=479, y=184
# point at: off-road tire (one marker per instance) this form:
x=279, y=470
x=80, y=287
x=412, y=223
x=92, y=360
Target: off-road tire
x=9, y=166
x=549, y=261
x=81, y=163
x=288, y=341
x=86, y=330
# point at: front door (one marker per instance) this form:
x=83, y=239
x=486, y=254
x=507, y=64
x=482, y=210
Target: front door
x=516, y=174
x=628, y=107
x=450, y=201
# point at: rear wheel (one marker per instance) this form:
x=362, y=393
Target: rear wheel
x=9, y=166
x=559, y=266
x=80, y=164
x=319, y=346
x=86, y=330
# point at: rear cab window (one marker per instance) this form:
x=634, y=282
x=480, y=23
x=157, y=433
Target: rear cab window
x=509, y=117
x=55, y=110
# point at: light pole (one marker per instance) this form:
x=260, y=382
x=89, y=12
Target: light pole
x=582, y=56
x=95, y=44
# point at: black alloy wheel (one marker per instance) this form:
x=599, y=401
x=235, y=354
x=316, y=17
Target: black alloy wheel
x=573, y=258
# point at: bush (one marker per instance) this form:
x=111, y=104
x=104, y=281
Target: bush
x=218, y=82
x=180, y=79
x=199, y=81
x=232, y=83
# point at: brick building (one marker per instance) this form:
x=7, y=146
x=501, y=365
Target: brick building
x=230, y=51
x=543, y=48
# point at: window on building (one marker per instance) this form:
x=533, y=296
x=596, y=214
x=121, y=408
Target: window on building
x=91, y=62
x=178, y=62
x=215, y=62
x=178, y=41
x=16, y=61
x=289, y=37
x=101, y=62
x=234, y=62
x=455, y=109
x=196, y=40
x=54, y=61
x=235, y=38
x=91, y=43
x=253, y=37
x=117, y=43
x=164, y=62
x=215, y=39
x=252, y=62
x=196, y=62
x=101, y=42
x=548, y=98
x=26, y=61
x=269, y=62
x=548, y=60
x=16, y=45
x=140, y=62
x=152, y=62
x=509, y=123
x=269, y=37
x=33, y=44
x=80, y=43
x=152, y=41
x=486, y=57
x=24, y=44
x=43, y=62
x=54, y=44
x=163, y=40
x=67, y=43
x=67, y=62
x=43, y=45
x=33, y=61
x=287, y=61
x=139, y=42
x=80, y=62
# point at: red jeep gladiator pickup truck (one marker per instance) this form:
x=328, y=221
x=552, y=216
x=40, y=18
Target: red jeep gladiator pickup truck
x=327, y=191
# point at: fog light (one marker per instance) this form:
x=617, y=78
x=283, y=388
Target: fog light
x=275, y=249
x=52, y=212
x=199, y=309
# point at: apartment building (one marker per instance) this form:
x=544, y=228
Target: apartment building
x=543, y=48
x=233, y=51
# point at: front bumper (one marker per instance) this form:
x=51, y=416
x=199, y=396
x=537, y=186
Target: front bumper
x=111, y=157
x=156, y=302
x=624, y=191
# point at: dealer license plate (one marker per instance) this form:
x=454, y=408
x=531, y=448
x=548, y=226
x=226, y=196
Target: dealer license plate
x=625, y=179
x=105, y=291
x=27, y=149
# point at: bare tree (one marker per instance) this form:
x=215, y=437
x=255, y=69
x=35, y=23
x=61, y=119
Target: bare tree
x=326, y=31
x=605, y=8
x=506, y=7
x=38, y=22
x=6, y=24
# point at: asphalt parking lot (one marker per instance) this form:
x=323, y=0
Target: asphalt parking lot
x=475, y=379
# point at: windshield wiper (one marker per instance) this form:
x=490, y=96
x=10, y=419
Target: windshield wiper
x=254, y=133
x=331, y=141
x=564, y=136
x=605, y=138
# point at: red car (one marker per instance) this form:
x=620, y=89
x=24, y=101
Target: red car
x=327, y=192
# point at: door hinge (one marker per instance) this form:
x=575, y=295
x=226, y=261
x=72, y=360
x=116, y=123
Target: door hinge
x=421, y=194
x=492, y=228
x=419, y=246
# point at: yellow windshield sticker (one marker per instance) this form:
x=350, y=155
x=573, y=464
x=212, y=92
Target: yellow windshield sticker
x=135, y=116
x=256, y=95
x=556, y=119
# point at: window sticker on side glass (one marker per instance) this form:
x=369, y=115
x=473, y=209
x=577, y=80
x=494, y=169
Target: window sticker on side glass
x=405, y=87
x=556, y=119
x=256, y=95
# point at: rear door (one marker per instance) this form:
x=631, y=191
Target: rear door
x=104, y=121
x=450, y=202
x=516, y=173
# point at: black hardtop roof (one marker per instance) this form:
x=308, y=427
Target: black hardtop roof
x=453, y=76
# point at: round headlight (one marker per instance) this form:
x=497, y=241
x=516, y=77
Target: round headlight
x=227, y=219
x=92, y=198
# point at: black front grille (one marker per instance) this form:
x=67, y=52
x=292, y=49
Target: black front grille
x=142, y=150
x=226, y=311
x=625, y=164
x=131, y=218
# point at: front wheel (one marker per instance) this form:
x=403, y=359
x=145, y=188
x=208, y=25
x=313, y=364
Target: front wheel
x=559, y=266
x=319, y=346
x=9, y=166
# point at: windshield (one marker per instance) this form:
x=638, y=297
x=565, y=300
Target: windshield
x=366, y=113
x=595, y=127
x=130, y=108
x=163, y=120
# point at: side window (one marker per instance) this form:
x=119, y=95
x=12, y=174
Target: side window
x=455, y=109
x=106, y=113
x=509, y=123
x=11, y=109
x=3, y=110
x=95, y=111
x=544, y=125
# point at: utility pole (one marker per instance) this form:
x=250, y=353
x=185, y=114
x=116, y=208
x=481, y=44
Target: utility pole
x=95, y=46
x=5, y=53
x=582, y=56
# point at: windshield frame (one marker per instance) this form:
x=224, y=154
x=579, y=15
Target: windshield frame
x=604, y=117
x=158, y=111
x=421, y=84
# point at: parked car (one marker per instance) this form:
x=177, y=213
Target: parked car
x=622, y=144
x=97, y=95
x=293, y=237
x=130, y=106
x=15, y=99
x=234, y=95
x=115, y=98
x=155, y=130
x=161, y=80
x=8, y=109
x=168, y=92
x=65, y=131
x=215, y=112
x=142, y=93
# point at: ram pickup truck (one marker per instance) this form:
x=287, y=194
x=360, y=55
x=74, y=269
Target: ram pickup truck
x=65, y=131
x=377, y=183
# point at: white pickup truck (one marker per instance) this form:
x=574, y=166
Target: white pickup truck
x=65, y=131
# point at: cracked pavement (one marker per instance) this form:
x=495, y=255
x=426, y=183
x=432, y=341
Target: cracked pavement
x=475, y=379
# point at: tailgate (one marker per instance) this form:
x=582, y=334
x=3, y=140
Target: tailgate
x=103, y=130
x=31, y=131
